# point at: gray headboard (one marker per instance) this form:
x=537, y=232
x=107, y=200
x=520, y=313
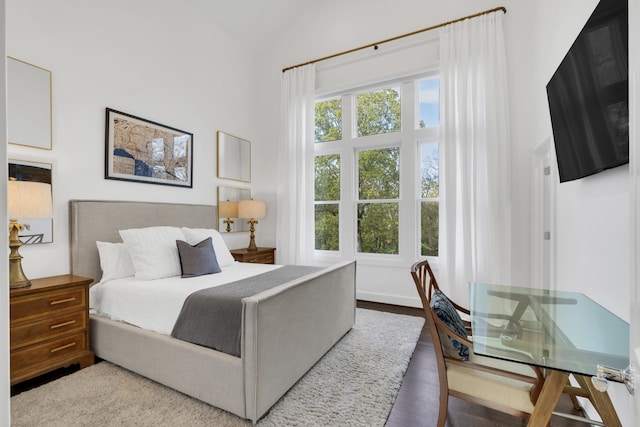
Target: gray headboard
x=92, y=220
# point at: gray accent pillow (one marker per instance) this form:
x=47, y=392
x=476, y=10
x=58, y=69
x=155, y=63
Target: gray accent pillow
x=198, y=259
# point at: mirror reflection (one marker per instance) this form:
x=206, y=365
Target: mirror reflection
x=234, y=158
x=228, y=199
x=38, y=230
x=28, y=104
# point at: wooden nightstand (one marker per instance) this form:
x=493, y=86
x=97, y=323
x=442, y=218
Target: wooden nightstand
x=49, y=326
x=261, y=256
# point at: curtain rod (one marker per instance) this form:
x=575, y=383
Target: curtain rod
x=375, y=45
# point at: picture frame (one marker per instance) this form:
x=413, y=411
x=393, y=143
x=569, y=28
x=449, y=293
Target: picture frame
x=141, y=150
x=36, y=230
x=234, y=158
x=29, y=99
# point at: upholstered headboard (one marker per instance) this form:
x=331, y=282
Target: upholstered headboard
x=93, y=220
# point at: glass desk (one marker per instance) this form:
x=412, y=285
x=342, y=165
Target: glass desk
x=563, y=332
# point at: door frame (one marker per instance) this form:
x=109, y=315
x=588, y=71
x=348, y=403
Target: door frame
x=544, y=185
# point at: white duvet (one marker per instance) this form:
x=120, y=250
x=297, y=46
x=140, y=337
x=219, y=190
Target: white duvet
x=156, y=304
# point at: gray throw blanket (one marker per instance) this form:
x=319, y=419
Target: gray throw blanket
x=212, y=317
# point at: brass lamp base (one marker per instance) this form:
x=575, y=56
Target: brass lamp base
x=228, y=221
x=17, y=279
x=252, y=236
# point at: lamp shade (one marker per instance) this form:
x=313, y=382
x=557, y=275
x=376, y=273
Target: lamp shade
x=252, y=209
x=28, y=199
x=228, y=209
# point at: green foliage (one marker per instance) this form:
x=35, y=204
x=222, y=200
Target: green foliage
x=429, y=228
x=327, y=227
x=327, y=188
x=379, y=174
x=378, y=228
x=378, y=112
x=329, y=120
x=327, y=177
x=430, y=179
x=378, y=179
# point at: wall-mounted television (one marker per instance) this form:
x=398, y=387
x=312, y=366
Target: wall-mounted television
x=589, y=96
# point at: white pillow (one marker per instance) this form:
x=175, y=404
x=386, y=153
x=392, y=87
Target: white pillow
x=196, y=235
x=114, y=261
x=153, y=251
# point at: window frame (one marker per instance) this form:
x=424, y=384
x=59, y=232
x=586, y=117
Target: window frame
x=408, y=140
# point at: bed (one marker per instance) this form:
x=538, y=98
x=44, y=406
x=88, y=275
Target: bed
x=285, y=330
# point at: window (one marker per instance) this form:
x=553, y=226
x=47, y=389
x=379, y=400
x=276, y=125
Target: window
x=327, y=198
x=378, y=200
x=429, y=192
x=364, y=156
x=329, y=120
x=428, y=103
x=378, y=112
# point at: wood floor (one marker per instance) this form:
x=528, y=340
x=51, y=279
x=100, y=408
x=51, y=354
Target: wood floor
x=417, y=402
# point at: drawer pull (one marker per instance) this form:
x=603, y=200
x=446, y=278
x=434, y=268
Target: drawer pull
x=62, y=347
x=60, y=325
x=62, y=301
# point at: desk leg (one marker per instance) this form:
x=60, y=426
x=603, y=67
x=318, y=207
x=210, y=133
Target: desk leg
x=600, y=401
x=551, y=390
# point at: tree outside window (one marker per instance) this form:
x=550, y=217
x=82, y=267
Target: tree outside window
x=327, y=198
x=369, y=150
x=379, y=186
x=378, y=112
x=328, y=120
x=429, y=203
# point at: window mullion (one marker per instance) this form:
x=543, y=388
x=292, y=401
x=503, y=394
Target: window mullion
x=347, y=193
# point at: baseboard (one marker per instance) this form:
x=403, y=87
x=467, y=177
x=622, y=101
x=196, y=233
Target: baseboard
x=389, y=299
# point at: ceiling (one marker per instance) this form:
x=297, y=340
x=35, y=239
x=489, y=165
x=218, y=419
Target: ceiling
x=255, y=23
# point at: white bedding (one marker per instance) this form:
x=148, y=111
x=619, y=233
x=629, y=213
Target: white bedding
x=156, y=304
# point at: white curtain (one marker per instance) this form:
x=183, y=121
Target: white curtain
x=476, y=193
x=295, y=157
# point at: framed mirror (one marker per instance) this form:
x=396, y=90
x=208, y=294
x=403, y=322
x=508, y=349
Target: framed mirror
x=28, y=104
x=233, y=195
x=36, y=230
x=234, y=158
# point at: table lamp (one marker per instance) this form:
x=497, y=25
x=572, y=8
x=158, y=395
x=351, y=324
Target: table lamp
x=252, y=209
x=228, y=210
x=27, y=199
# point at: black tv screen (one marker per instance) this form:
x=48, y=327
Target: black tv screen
x=589, y=96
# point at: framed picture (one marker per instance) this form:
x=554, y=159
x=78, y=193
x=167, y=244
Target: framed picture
x=28, y=104
x=144, y=151
x=234, y=158
x=36, y=230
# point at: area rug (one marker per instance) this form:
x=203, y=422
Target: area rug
x=354, y=384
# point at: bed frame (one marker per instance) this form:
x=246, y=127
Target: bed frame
x=285, y=330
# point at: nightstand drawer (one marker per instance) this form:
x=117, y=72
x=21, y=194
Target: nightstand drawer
x=260, y=258
x=47, y=353
x=42, y=330
x=46, y=304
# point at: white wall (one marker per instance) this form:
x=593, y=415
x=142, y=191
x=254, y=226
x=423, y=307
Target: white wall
x=333, y=26
x=162, y=61
x=5, y=415
x=592, y=214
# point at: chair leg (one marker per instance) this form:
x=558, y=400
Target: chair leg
x=442, y=413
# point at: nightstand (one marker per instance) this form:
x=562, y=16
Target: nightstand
x=49, y=326
x=261, y=256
